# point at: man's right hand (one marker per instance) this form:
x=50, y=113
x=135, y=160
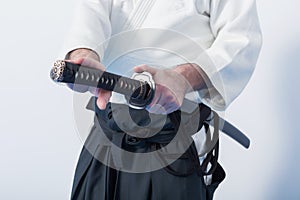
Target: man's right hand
x=89, y=58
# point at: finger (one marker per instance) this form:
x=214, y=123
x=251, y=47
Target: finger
x=92, y=63
x=76, y=61
x=157, y=96
x=88, y=62
x=155, y=106
x=166, y=106
x=164, y=101
x=161, y=95
x=103, y=99
x=144, y=68
x=157, y=109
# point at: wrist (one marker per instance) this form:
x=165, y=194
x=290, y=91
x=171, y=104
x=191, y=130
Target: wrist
x=193, y=74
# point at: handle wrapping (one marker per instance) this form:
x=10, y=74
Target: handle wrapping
x=139, y=93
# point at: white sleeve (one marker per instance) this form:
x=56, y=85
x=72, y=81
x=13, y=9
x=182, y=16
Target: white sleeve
x=91, y=27
x=230, y=61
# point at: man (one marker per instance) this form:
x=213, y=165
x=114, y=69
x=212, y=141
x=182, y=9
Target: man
x=201, y=50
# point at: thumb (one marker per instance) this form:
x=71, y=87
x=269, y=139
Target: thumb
x=144, y=68
x=103, y=99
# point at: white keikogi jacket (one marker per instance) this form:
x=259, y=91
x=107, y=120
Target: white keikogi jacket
x=222, y=36
x=227, y=31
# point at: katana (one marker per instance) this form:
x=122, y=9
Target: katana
x=138, y=90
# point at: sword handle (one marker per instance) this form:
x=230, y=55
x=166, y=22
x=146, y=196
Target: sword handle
x=139, y=93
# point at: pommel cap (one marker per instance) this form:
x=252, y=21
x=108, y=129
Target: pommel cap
x=56, y=72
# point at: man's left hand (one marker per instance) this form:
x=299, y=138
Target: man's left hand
x=170, y=90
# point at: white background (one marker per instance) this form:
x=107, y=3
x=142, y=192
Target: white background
x=39, y=145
